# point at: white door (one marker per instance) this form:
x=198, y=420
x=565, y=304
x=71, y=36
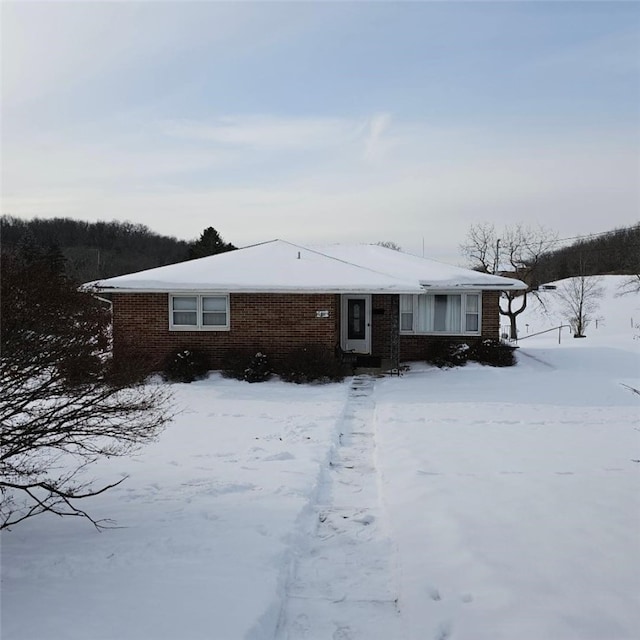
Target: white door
x=356, y=323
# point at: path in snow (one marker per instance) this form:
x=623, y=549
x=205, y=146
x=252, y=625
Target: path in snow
x=342, y=585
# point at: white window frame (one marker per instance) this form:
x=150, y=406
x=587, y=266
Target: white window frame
x=404, y=298
x=199, y=326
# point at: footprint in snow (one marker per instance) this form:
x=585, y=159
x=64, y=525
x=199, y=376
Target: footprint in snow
x=342, y=633
x=443, y=631
x=285, y=455
x=300, y=626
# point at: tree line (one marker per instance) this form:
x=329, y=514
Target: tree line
x=96, y=250
x=615, y=252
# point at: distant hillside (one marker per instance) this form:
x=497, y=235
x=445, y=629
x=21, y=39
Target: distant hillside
x=95, y=249
x=614, y=253
x=618, y=316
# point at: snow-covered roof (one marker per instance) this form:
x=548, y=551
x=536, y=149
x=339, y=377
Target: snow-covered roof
x=279, y=266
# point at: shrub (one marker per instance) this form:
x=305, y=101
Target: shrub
x=258, y=369
x=448, y=354
x=311, y=363
x=494, y=353
x=185, y=365
x=246, y=364
x=235, y=362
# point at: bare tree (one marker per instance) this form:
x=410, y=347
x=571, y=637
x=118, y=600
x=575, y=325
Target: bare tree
x=629, y=285
x=63, y=405
x=516, y=252
x=389, y=244
x=579, y=298
x=481, y=247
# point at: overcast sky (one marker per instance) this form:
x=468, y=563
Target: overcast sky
x=324, y=121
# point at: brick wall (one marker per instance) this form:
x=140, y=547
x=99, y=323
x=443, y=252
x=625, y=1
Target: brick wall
x=491, y=314
x=381, y=321
x=273, y=323
x=417, y=347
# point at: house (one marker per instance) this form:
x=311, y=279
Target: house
x=375, y=303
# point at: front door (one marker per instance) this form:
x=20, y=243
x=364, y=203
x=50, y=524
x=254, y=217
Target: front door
x=356, y=323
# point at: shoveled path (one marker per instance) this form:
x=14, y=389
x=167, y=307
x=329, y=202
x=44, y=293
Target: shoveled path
x=342, y=584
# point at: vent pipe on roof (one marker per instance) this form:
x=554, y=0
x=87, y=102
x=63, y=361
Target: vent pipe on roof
x=298, y=255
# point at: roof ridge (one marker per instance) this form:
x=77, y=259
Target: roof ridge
x=352, y=264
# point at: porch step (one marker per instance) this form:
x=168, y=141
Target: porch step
x=368, y=362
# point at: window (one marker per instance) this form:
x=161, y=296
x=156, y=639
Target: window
x=472, y=313
x=406, y=313
x=199, y=313
x=448, y=313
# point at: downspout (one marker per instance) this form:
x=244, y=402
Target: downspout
x=109, y=302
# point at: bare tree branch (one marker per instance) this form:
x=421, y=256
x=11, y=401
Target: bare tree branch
x=515, y=252
x=629, y=285
x=63, y=405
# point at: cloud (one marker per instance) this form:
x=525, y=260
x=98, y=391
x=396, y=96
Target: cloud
x=375, y=145
x=368, y=178
x=54, y=50
x=429, y=184
x=269, y=132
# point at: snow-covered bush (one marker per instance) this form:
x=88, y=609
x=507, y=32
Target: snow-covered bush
x=185, y=365
x=493, y=353
x=258, y=369
x=448, y=353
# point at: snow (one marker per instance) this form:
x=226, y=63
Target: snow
x=279, y=267
x=470, y=503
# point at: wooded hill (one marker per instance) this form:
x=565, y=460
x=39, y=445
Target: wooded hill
x=94, y=250
x=616, y=252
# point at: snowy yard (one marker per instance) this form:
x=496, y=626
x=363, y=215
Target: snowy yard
x=473, y=503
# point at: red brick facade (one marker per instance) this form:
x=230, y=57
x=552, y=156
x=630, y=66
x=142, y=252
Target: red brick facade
x=416, y=347
x=413, y=347
x=273, y=323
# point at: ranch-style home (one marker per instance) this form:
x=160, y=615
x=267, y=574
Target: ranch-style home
x=372, y=304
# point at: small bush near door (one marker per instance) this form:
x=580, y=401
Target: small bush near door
x=312, y=363
x=493, y=353
x=185, y=365
x=448, y=354
x=456, y=354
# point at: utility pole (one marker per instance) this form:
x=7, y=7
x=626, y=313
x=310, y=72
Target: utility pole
x=497, y=262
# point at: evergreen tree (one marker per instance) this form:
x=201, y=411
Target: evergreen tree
x=208, y=244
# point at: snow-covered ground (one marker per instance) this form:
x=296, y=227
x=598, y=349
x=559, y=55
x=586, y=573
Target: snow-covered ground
x=468, y=503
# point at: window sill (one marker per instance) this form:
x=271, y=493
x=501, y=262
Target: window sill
x=442, y=333
x=199, y=329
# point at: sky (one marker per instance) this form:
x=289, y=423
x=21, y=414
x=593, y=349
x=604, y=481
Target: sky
x=321, y=122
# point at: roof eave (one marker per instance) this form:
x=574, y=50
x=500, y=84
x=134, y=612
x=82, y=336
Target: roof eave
x=280, y=290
